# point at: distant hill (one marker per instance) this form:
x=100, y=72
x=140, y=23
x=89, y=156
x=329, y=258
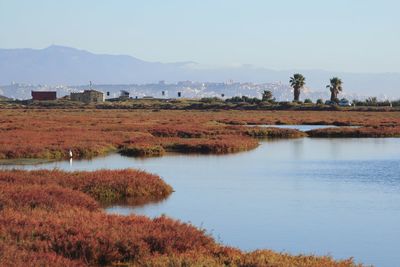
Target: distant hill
x=4, y=98
x=64, y=65
x=69, y=66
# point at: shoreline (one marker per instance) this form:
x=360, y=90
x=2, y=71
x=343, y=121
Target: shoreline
x=95, y=133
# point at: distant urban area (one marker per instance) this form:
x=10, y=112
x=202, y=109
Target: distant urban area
x=183, y=89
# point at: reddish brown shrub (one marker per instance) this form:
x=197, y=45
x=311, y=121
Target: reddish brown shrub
x=269, y=132
x=217, y=145
x=50, y=134
x=11, y=255
x=98, y=238
x=94, y=238
x=142, y=150
x=104, y=185
x=49, y=197
x=48, y=218
x=374, y=132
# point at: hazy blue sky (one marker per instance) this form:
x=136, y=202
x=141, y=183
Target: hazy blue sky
x=343, y=35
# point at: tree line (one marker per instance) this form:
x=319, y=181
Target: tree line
x=298, y=81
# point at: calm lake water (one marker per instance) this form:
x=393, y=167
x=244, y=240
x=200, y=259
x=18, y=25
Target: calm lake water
x=323, y=196
x=302, y=128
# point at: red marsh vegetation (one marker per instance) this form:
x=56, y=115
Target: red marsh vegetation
x=370, y=131
x=51, y=133
x=103, y=186
x=53, y=218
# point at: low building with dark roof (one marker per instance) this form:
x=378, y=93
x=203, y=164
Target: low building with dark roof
x=124, y=95
x=44, y=95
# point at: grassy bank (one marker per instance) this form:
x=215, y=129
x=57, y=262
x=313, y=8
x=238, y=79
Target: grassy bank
x=54, y=218
x=103, y=186
x=372, y=132
x=51, y=134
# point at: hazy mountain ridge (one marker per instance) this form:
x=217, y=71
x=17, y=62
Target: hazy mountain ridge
x=58, y=65
x=62, y=65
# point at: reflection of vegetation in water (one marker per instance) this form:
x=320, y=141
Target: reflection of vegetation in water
x=28, y=161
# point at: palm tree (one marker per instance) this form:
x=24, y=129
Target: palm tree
x=297, y=82
x=335, y=87
x=266, y=95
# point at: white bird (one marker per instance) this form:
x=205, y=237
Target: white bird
x=70, y=153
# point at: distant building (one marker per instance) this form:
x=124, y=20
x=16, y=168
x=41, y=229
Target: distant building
x=88, y=96
x=44, y=95
x=124, y=95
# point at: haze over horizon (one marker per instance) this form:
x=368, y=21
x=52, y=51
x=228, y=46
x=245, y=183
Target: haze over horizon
x=56, y=66
x=195, y=64
x=343, y=36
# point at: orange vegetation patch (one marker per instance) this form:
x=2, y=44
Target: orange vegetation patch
x=215, y=145
x=338, y=118
x=51, y=218
x=52, y=133
x=45, y=187
x=374, y=131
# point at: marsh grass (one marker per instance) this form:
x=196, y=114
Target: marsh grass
x=51, y=134
x=53, y=218
x=371, y=132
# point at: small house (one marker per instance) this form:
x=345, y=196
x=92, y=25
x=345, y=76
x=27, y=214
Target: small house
x=44, y=95
x=88, y=96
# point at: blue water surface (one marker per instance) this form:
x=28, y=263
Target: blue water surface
x=322, y=196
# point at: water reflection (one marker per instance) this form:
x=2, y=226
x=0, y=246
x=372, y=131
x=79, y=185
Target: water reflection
x=337, y=196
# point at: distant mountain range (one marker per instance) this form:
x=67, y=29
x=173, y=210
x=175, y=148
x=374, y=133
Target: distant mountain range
x=58, y=65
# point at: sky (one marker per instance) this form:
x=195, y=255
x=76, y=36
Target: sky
x=340, y=35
